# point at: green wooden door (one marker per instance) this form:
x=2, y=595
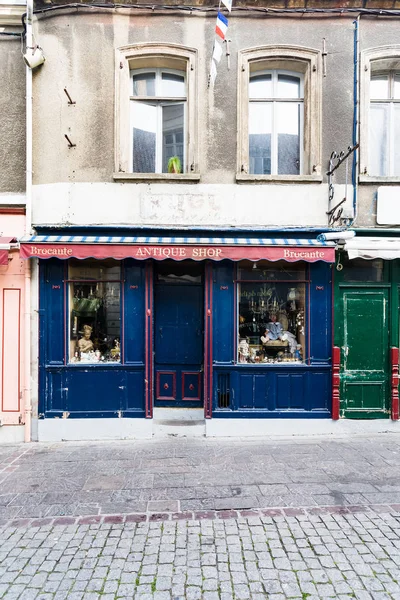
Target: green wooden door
x=365, y=353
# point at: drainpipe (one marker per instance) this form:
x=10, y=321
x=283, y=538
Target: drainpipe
x=28, y=226
x=354, y=174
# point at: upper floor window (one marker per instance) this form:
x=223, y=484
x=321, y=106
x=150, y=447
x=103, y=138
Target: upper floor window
x=276, y=102
x=384, y=124
x=156, y=124
x=380, y=114
x=279, y=114
x=158, y=107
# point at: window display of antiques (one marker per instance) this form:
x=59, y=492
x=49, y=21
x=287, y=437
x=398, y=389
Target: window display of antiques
x=94, y=307
x=271, y=326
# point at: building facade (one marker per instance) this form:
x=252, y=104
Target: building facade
x=13, y=270
x=187, y=245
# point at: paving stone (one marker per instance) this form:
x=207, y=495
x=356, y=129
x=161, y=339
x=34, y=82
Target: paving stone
x=275, y=553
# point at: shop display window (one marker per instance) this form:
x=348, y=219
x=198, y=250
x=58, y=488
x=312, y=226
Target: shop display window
x=359, y=269
x=94, y=299
x=272, y=312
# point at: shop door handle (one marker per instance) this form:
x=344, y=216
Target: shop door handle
x=160, y=330
x=345, y=350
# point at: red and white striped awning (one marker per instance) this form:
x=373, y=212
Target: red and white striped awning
x=5, y=245
x=177, y=248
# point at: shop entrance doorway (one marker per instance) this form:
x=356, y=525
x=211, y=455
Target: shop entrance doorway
x=365, y=352
x=178, y=334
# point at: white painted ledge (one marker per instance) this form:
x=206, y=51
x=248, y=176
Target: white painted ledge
x=57, y=430
x=296, y=427
x=11, y=434
x=12, y=199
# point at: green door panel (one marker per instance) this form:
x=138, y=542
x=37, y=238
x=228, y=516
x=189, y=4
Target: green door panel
x=365, y=353
x=363, y=396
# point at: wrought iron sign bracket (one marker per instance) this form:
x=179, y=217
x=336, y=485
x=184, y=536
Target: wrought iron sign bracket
x=336, y=159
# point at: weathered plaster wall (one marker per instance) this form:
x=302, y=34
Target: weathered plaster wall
x=80, y=55
x=12, y=117
x=174, y=205
x=374, y=32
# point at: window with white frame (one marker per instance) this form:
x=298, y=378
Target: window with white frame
x=276, y=101
x=384, y=124
x=380, y=114
x=156, y=123
x=279, y=113
x=158, y=106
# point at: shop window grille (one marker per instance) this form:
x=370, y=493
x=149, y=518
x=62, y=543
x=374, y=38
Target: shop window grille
x=223, y=391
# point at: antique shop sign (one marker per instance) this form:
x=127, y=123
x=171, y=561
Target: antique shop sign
x=178, y=252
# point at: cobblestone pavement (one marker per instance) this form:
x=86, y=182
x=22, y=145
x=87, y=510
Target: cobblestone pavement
x=190, y=475
x=278, y=557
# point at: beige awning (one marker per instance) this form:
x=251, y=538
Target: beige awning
x=373, y=247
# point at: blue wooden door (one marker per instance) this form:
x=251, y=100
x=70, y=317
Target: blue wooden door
x=178, y=336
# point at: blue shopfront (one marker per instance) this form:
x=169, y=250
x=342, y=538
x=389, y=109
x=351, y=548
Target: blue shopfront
x=240, y=326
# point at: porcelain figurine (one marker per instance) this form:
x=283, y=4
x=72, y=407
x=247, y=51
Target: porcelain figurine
x=244, y=350
x=85, y=344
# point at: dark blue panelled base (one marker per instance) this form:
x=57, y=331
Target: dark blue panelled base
x=296, y=391
x=94, y=391
x=267, y=414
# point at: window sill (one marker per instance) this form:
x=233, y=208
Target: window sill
x=247, y=178
x=376, y=179
x=162, y=177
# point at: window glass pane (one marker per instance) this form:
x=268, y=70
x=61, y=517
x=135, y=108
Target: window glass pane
x=260, y=127
x=173, y=136
x=179, y=272
x=359, y=269
x=288, y=116
x=260, y=86
x=272, y=317
x=396, y=141
x=172, y=85
x=272, y=271
x=144, y=126
x=94, y=312
x=378, y=139
x=379, y=87
x=396, y=86
x=94, y=270
x=143, y=84
x=288, y=86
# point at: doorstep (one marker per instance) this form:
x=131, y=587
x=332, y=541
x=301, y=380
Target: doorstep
x=178, y=422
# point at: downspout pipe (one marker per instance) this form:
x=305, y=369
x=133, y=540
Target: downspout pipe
x=28, y=227
x=354, y=173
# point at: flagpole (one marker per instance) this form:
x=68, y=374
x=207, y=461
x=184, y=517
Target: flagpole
x=212, y=53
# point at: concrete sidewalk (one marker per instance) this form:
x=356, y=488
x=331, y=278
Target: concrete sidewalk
x=180, y=475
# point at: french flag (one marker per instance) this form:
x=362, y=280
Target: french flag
x=221, y=26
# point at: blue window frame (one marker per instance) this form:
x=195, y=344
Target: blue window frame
x=272, y=308
x=94, y=311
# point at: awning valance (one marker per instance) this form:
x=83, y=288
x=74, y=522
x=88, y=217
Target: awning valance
x=373, y=247
x=177, y=248
x=5, y=245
